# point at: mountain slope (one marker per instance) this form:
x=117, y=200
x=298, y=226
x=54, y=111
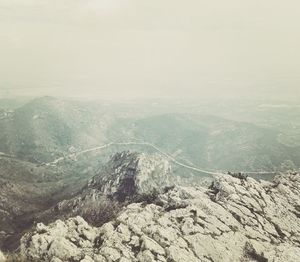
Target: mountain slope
x=47, y=128
x=215, y=143
x=25, y=190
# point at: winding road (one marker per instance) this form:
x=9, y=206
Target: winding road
x=172, y=159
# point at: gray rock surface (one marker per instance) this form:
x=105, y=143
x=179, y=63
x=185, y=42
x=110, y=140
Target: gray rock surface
x=234, y=220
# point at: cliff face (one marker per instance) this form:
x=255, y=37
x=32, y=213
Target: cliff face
x=234, y=220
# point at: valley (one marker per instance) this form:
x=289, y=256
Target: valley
x=56, y=155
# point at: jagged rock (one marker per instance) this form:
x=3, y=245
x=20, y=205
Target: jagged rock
x=234, y=220
x=131, y=173
x=55, y=259
x=126, y=178
x=87, y=259
x=99, y=258
x=151, y=245
x=60, y=240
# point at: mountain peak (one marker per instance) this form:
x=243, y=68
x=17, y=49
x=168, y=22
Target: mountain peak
x=126, y=178
x=130, y=173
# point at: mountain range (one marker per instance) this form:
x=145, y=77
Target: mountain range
x=88, y=163
x=48, y=128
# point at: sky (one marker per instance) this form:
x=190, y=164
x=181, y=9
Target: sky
x=124, y=49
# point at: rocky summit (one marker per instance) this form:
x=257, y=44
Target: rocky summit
x=128, y=177
x=235, y=219
x=130, y=173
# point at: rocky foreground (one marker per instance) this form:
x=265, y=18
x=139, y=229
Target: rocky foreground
x=236, y=219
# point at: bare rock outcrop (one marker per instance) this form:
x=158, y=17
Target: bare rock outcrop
x=128, y=176
x=132, y=173
x=234, y=220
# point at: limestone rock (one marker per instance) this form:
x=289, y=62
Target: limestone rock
x=234, y=220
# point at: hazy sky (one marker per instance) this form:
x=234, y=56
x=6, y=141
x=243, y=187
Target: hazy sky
x=148, y=48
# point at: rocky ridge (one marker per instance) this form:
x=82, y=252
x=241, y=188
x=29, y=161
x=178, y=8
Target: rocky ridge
x=128, y=177
x=234, y=220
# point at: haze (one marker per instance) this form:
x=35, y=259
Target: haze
x=140, y=49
